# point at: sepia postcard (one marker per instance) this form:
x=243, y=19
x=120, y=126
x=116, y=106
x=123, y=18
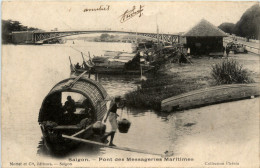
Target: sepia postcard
x=130, y=84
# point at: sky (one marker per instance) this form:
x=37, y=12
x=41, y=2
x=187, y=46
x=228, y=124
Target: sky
x=171, y=17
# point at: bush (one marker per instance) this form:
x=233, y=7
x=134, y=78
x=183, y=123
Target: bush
x=160, y=87
x=229, y=72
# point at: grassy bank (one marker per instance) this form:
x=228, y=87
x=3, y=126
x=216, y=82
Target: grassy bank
x=173, y=80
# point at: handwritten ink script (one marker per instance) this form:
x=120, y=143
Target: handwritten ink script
x=100, y=8
x=128, y=14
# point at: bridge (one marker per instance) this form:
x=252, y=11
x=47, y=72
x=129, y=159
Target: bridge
x=38, y=37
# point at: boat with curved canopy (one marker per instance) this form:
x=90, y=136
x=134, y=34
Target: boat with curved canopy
x=55, y=119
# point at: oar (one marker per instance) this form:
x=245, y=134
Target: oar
x=82, y=56
x=90, y=59
x=71, y=66
x=70, y=61
x=89, y=55
x=113, y=147
x=81, y=131
x=84, y=62
x=70, y=84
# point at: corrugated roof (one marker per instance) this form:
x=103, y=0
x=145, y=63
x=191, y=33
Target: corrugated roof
x=204, y=29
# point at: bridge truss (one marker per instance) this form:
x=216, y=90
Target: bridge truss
x=40, y=37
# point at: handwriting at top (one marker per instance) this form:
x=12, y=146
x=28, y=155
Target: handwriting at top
x=100, y=8
x=128, y=14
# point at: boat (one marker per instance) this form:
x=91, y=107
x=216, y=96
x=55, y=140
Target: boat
x=211, y=95
x=121, y=63
x=63, y=132
x=91, y=105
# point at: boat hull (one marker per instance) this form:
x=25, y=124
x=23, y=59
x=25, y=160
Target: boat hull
x=208, y=96
x=104, y=70
x=54, y=142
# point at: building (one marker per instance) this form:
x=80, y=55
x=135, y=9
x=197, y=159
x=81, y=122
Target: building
x=205, y=39
x=22, y=37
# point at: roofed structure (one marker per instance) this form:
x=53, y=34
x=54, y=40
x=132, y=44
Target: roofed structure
x=204, y=29
x=90, y=89
x=205, y=39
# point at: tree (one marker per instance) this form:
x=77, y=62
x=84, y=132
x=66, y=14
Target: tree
x=227, y=27
x=248, y=25
x=104, y=37
x=8, y=26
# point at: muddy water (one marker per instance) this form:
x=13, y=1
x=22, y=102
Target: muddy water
x=29, y=72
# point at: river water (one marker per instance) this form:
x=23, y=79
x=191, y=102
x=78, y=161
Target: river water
x=36, y=69
x=29, y=72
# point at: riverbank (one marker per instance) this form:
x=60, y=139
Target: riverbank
x=175, y=79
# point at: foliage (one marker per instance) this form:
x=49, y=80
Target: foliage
x=227, y=27
x=248, y=26
x=8, y=26
x=106, y=37
x=229, y=72
x=158, y=88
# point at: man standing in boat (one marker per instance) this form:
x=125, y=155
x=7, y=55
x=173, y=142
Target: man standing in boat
x=112, y=116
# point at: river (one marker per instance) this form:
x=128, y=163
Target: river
x=29, y=72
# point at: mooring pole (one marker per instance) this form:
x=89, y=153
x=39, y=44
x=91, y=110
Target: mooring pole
x=141, y=71
x=89, y=73
x=96, y=76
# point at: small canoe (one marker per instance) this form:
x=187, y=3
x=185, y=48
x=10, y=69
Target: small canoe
x=208, y=96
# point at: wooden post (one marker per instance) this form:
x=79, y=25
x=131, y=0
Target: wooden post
x=141, y=70
x=96, y=76
x=89, y=73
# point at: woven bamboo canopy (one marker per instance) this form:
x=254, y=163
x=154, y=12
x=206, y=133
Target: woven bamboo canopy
x=90, y=89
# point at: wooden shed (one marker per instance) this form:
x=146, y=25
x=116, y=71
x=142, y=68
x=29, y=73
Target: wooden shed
x=204, y=39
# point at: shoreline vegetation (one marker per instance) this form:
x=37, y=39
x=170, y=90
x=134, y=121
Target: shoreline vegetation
x=175, y=79
x=8, y=26
x=247, y=26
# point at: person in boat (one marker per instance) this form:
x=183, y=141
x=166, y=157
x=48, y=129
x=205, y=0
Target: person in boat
x=112, y=115
x=77, y=66
x=70, y=105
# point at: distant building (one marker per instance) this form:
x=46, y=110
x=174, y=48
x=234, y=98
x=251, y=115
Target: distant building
x=22, y=37
x=55, y=29
x=204, y=39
